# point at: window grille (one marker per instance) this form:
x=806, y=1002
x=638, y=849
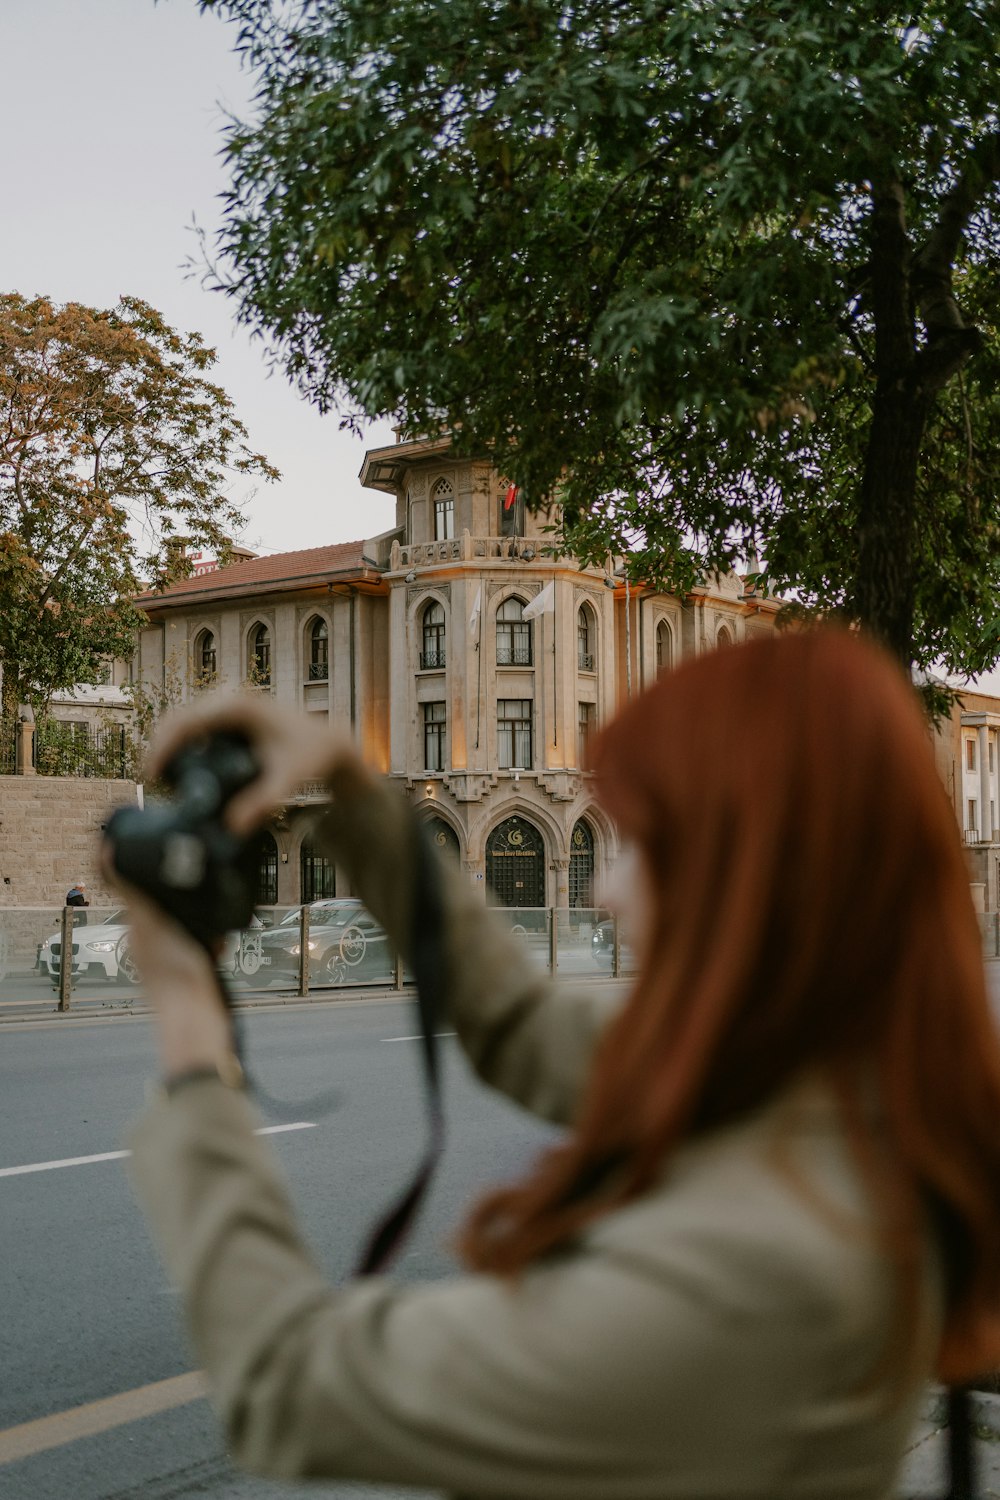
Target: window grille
x=260, y=656
x=267, y=871
x=319, y=651
x=318, y=880
x=432, y=637
x=584, y=640
x=513, y=635
x=581, y=865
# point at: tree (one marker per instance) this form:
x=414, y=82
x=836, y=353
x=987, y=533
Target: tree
x=114, y=449
x=720, y=275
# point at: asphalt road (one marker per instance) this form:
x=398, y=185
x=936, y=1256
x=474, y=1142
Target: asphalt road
x=87, y=1314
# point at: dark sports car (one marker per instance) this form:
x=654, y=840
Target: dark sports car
x=346, y=946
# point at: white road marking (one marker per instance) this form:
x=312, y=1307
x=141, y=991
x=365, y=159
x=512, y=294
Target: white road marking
x=416, y=1038
x=83, y=1161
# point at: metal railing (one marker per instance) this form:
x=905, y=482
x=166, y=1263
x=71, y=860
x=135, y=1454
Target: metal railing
x=432, y=659
x=585, y=661
x=66, y=749
x=8, y=746
x=513, y=656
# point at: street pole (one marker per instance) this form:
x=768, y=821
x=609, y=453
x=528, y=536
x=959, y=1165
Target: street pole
x=304, y=949
x=66, y=957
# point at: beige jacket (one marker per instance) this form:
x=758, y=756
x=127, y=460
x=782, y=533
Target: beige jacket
x=724, y=1336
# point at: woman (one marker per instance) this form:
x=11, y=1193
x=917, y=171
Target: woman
x=776, y=1211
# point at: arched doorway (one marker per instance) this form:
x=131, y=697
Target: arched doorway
x=267, y=870
x=581, y=865
x=444, y=837
x=515, y=864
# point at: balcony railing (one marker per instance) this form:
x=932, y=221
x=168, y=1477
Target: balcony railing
x=513, y=656
x=319, y=671
x=432, y=659
x=585, y=661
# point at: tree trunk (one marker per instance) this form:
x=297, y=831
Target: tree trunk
x=885, y=581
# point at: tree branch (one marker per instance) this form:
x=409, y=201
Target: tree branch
x=931, y=276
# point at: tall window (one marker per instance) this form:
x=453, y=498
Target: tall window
x=585, y=639
x=586, y=724
x=259, y=664
x=267, y=870
x=432, y=636
x=317, y=874
x=514, y=733
x=204, y=659
x=724, y=638
x=581, y=865
x=444, y=510
x=319, y=651
x=664, y=648
x=970, y=755
x=435, y=729
x=972, y=816
x=513, y=635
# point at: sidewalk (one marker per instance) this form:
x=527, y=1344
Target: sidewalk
x=925, y=1471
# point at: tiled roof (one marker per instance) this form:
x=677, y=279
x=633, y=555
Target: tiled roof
x=280, y=571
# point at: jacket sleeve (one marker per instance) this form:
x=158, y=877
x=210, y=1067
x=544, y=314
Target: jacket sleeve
x=595, y=1376
x=529, y=1038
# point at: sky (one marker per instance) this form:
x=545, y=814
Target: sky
x=112, y=114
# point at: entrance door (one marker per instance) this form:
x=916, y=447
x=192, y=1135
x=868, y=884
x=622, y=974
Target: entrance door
x=515, y=864
x=581, y=866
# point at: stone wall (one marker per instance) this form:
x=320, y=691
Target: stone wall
x=49, y=836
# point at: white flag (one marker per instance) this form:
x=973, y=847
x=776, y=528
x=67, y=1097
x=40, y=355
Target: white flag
x=542, y=604
x=474, y=617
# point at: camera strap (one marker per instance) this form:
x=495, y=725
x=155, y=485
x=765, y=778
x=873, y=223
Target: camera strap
x=428, y=965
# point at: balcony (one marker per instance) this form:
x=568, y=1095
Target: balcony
x=433, y=660
x=514, y=656
x=585, y=661
x=319, y=671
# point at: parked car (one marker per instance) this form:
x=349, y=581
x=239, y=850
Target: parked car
x=602, y=948
x=101, y=951
x=346, y=946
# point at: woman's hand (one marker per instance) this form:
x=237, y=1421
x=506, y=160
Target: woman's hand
x=290, y=748
x=193, y=1028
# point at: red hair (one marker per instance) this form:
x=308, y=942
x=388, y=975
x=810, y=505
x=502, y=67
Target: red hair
x=813, y=912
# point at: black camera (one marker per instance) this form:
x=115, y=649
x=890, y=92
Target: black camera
x=180, y=853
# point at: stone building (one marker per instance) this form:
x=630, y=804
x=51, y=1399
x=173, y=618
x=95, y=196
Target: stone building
x=468, y=663
x=967, y=751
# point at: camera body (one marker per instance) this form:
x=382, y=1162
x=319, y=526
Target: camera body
x=181, y=854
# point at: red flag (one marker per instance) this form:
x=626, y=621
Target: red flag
x=512, y=493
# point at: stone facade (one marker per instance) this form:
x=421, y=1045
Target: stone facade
x=49, y=836
x=414, y=644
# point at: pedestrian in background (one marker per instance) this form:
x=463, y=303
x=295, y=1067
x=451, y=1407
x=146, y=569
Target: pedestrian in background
x=775, y=1210
x=77, y=896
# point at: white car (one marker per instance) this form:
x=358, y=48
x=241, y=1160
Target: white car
x=101, y=951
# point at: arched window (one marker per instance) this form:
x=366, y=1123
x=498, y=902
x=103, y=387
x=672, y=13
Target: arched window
x=432, y=636
x=664, y=648
x=443, y=496
x=267, y=871
x=585, y=638
x=513, y=635
x=319, y=650
x=515, y=864
x=581, y=865
x=204, y=659
x=724, y=637
x=317, y=877
x=259, y=657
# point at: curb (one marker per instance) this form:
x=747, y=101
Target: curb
x=985, y=1411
